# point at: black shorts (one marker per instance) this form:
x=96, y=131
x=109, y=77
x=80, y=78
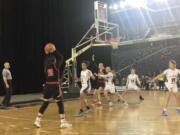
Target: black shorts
x=52, y=91
x=100, y=84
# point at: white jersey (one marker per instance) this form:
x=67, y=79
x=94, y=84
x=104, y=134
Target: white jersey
x=133, y=79
x=108, y=78
x=171, y=75
x=109, y=84
x=85, y=76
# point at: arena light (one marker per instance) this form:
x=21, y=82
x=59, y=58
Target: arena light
x=105, y=6
x=115, y=7
x=136, y=3
x=161, y=0
x=122, y=4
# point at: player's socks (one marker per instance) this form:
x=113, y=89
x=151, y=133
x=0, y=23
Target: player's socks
x=164, y=112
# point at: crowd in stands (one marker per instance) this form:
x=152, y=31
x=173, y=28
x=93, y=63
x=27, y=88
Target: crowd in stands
x=149, y=59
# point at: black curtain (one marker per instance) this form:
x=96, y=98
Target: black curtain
x=26, y=25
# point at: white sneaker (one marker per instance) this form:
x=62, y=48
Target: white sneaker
x=37, y=122
x=125, y=103
x=65, y=124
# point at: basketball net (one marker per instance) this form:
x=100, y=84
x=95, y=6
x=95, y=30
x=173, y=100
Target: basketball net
x=114, y=42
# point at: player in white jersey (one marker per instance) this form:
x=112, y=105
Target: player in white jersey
x=86, y=75
x=109, y=84
x=132, y=82
x=172, y=76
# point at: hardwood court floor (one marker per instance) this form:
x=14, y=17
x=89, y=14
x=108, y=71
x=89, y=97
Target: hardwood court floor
x=139, y=119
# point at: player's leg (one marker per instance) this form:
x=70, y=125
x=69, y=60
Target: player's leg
x=140, y=95
x=86, y=92
x=99, y=95
x=166, y=102
x=177, y=96
x=95, y=96
x=120, y=98
x=47, y=95
x=137, y=89
x=82, y=100
x=60, y=104
x=106, y=94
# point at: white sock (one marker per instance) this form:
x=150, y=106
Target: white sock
x=62, y=120
x=165, y=109
x=178, y=108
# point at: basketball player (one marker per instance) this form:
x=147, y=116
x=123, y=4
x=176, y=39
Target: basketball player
x=52, y=88
x=109, y=84
x=132, y=81
x=85, y=77
x=7, y=78
x=100, y=84
x=172, y=76
x=120, y=99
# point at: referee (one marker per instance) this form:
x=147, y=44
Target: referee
x=7, y=78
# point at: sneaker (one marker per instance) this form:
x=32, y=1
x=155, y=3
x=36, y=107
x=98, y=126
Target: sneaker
x=178, y=110
x=88, y=111
x=125, y=103
x=79, y=114
x=110, y=104
x=65, y=124
x=141, y=98
x=164, y=113
x=37, y=122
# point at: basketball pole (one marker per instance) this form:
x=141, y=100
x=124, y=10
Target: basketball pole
x=102, y=27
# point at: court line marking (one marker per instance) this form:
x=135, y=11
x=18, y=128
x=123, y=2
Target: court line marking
x=47, y=120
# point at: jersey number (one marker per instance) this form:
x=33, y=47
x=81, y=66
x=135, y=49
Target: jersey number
x=50, y=72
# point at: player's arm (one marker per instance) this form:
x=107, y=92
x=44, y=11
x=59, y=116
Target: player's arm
x=127, y=82
x=158, y=76
x=59, y=58
x=138, y=81
x=5, y=80
x=103, y=76
x=91, y=75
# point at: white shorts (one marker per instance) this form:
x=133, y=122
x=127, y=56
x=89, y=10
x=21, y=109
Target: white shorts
x=133, y=87
x=111, y=88
x=171, y=87
x=86, y=88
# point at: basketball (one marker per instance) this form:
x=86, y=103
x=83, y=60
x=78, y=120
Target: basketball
x=49, y=47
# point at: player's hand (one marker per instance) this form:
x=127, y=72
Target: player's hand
x=77, y=79
x=95, y=74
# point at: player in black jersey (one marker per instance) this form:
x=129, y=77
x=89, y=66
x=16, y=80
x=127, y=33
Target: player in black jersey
x=100, y=84
x=52, y=63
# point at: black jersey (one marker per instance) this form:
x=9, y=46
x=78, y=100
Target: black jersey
x=53, y=62
x=100, y=79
